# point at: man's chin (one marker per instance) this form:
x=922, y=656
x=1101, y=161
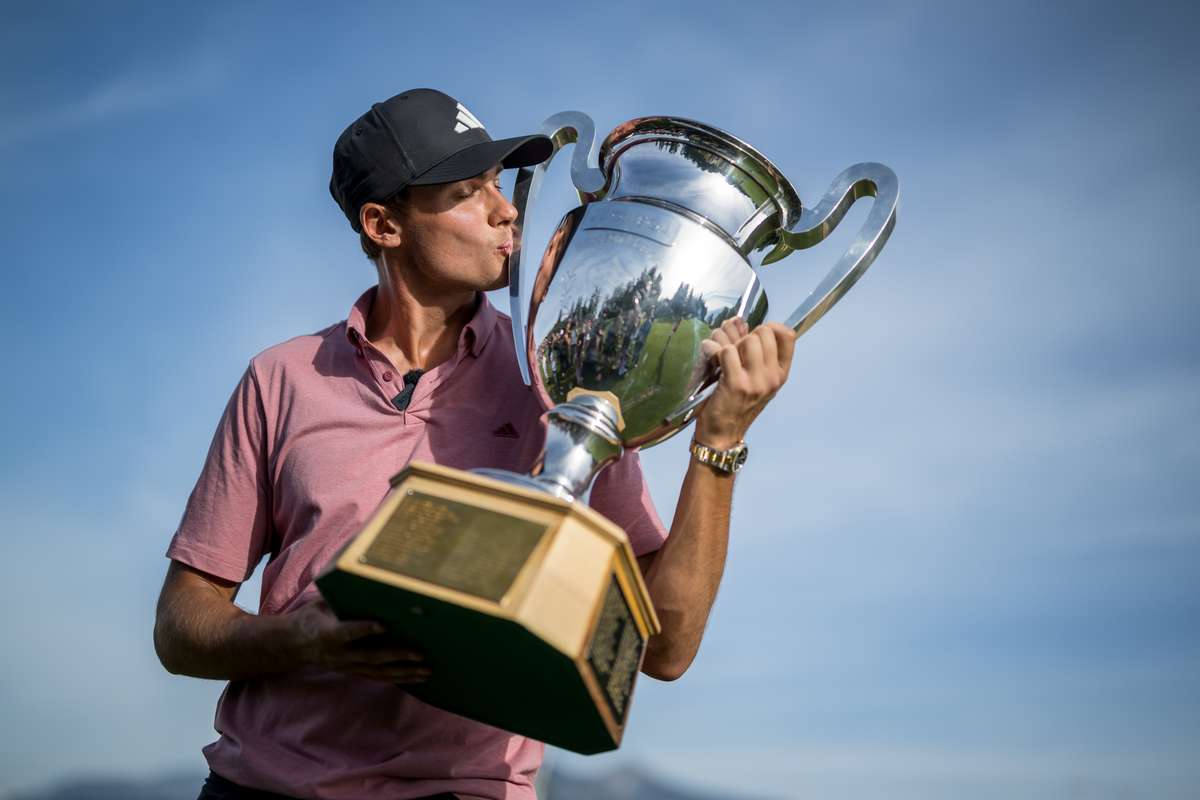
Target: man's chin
x=501, y=279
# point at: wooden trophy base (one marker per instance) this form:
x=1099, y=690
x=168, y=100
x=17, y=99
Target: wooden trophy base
x=531, y=611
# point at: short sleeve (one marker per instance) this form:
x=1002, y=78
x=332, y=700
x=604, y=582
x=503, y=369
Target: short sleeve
x=620, y=493
x=226, y=524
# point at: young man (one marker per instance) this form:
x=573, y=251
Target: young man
x=422, y=368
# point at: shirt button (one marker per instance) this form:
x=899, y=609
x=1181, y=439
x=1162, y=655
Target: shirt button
x=387, y=376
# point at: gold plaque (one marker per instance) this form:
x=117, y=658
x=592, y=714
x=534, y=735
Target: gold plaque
x=459, y=546
x=615, y=654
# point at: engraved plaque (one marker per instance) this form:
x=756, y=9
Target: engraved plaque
x=471, y=549
x=616, y=651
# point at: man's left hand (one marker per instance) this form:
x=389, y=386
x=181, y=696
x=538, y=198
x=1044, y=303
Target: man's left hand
x=754, y=366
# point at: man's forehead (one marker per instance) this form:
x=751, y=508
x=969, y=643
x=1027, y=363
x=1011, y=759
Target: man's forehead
x=488, y=174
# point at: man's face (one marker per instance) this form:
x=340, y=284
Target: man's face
x=460, y=234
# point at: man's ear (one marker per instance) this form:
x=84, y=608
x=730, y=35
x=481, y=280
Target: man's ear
x=380, y=225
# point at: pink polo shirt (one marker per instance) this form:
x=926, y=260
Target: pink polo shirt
x=300, y=459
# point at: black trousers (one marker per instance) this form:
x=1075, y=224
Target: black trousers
x=218, y=788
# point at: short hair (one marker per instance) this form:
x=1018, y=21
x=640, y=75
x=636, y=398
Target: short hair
x=394, y=204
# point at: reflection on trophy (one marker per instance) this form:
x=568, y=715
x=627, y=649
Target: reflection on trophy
x=529, y=604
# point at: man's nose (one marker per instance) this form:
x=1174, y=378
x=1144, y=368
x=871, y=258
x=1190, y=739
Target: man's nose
x=505, y=212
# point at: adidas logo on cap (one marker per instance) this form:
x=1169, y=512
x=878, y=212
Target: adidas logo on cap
x=466, y=120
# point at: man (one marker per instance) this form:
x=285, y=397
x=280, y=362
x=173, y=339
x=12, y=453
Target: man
x=422, y=368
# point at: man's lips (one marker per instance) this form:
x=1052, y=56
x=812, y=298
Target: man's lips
x=506, y=248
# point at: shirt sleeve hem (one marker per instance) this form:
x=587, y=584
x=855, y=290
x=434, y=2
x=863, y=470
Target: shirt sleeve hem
x=203, y=559
x=646, y=544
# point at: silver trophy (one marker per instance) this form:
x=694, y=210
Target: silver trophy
x=675, y=217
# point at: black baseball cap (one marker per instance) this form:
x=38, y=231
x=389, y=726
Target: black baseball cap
x=416, y=138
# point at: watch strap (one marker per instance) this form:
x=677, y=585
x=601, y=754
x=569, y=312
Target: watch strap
x=727, y=461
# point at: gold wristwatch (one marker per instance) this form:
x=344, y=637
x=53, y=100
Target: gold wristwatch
x=728, y=461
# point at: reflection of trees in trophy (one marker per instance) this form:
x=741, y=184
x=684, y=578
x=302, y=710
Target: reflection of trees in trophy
x=718, y=317
x=726, y=209
x=597, y=342
x=704, y=159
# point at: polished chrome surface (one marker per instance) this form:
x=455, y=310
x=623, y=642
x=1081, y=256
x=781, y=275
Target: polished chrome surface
x=674, y=214
x=581, y=439
x=621, y=303
x=709, y=176
x=563, y=128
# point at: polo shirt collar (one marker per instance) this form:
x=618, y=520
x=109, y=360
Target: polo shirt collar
x=474, y=336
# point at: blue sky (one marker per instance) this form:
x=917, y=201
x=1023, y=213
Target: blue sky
x=966, y=547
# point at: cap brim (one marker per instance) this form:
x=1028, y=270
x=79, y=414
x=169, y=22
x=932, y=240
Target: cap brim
x=519, y=151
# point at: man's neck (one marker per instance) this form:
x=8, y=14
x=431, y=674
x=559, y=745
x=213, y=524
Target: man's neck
x=415, y=325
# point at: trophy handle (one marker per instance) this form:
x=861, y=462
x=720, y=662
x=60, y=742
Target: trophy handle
x=563, y=128
x=860, y=180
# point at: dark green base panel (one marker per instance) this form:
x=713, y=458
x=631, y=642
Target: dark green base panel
x=486, y=668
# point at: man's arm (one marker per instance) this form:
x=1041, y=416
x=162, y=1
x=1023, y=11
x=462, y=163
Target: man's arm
x=199, y=631
x=684, y=574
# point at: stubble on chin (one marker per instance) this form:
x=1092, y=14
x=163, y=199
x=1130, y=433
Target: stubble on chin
x=501, y=279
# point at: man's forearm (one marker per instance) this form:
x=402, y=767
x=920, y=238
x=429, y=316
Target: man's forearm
x=684, y=575
x=199, y=632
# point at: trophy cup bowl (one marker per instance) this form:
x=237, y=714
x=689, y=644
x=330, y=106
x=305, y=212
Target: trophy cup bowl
x=529, y=605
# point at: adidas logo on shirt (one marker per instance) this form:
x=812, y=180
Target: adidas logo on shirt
x=506, y=431
x=466, y=120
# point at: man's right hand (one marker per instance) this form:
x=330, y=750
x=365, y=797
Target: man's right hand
x=199, y=631
x=356, y=647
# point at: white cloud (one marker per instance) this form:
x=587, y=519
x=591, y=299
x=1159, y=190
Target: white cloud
x=124, y=93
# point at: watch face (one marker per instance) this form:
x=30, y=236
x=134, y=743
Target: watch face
x=740, y=458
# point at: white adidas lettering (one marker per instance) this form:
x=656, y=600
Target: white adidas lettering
x=466, y=120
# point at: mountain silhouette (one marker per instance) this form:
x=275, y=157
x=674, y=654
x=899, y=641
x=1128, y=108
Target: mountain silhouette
x=627, y=783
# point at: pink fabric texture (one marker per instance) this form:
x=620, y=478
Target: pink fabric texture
x=300, y=459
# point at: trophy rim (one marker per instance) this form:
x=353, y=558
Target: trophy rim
x=640, y=129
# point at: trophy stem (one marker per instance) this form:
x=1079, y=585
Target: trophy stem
x=581, y=439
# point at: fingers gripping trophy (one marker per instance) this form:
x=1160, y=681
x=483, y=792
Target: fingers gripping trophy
x=529, y=605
